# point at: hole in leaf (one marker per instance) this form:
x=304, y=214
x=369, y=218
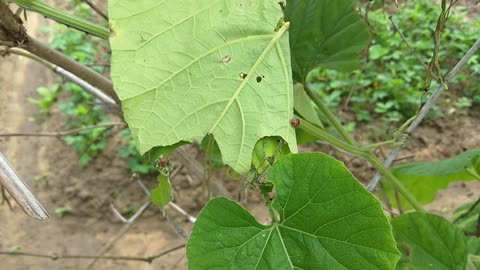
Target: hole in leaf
x=259, y=79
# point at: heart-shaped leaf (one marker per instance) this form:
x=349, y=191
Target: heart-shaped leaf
x=327, y=221
x=429, y=242
x=327, y=33
x=185, y=69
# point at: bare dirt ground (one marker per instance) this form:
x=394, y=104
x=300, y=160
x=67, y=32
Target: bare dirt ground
x=52, y=170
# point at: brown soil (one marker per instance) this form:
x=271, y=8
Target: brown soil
x=52, y=170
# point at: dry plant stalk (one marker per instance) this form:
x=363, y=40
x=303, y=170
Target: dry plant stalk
x=19, y=191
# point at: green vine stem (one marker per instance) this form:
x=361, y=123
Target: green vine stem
x=265, y=190
x=394, y=181
x=374, y=146
x=365, y=154
x=334, y=141
x=330, y=117
x=208, y=165
x=63, y=17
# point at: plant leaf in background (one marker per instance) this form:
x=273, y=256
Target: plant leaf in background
x=327, y=221
x=473, y=253
x=186, y=69
x=325, y=33
x=466, y=218
x=162, y=194
x=429, y=242
x=424, y=179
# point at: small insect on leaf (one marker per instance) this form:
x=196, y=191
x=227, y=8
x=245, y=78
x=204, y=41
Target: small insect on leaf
x=295, y=122
x=163, y=165
x=163, y=162
x=243, y=75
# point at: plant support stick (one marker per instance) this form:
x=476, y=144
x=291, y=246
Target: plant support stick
x=19, y=191
x=425, y=109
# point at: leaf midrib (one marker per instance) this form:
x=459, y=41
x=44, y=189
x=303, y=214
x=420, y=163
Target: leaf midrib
x=245, y=81
x=261, y=58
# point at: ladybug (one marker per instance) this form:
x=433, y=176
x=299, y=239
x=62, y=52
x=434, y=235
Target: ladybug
x=295, y=122
x=163, y=162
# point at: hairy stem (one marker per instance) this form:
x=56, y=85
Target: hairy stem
x=329, y=115
x=208, y=166
x=268, y=202
x=376, y=145
x=387, y=174
x=334, y=141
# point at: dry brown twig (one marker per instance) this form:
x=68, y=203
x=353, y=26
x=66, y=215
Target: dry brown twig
x=54, y=257
x=96, y=9
x=63, y=133
x=118, y=235
x=129, y=222
x=13, y=34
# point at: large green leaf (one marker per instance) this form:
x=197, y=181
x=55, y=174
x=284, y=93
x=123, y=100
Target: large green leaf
x=424, y=179
x=325, y=33
x=185, y=69
x=429, y=242
x=327, y=221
